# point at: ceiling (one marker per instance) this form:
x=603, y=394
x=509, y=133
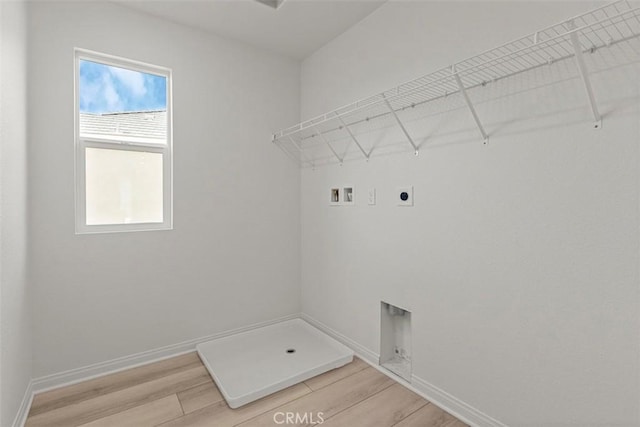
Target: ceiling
x=296, y=29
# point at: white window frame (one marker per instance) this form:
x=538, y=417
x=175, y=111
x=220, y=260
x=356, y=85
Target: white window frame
x=81, y=144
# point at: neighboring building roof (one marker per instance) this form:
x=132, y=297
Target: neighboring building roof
x=133, y=124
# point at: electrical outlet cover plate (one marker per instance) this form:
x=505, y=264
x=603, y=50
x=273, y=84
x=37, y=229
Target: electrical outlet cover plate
x=404, y=196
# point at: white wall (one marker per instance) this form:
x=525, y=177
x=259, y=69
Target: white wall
x=233, y=257
x=15, y=312
x=519, y=260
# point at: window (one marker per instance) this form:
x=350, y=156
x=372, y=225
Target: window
x=123, y=144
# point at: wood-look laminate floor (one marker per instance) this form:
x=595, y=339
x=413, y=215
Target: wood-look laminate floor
x=180, y=392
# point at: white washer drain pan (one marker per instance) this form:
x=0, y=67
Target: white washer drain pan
x=253, y=364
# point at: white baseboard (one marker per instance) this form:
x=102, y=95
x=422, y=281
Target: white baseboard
x=85, y=373
x=25, y=405
x=453, y=405
x=456, y=407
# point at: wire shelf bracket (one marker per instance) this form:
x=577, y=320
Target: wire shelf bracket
x=303, y=158
x=584, y=73
x=324, y=139
x=353, y=138
x=467, y=100
x=314, y=141
x=399, y=122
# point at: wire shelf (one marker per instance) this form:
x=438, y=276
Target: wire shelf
x=342, y=134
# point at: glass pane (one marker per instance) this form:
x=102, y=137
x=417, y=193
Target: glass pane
x=122, y=105
x=123, y=187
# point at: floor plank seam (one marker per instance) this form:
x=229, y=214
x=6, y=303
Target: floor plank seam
x=411, y=413
x=103, y=413
x=180, y=402
x=283, y=404
x=169, y=421
x=360, y=401
x=185, y=414
x=83, y=396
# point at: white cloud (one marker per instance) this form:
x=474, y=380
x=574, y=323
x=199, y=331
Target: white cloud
x=110, y=95
x=105, y=88
x=88, y=93
x=99, y=94
x=133, y=80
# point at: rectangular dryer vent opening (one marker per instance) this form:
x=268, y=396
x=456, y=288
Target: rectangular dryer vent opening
x=395, y=340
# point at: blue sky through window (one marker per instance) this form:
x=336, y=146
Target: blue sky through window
x=109, y=89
